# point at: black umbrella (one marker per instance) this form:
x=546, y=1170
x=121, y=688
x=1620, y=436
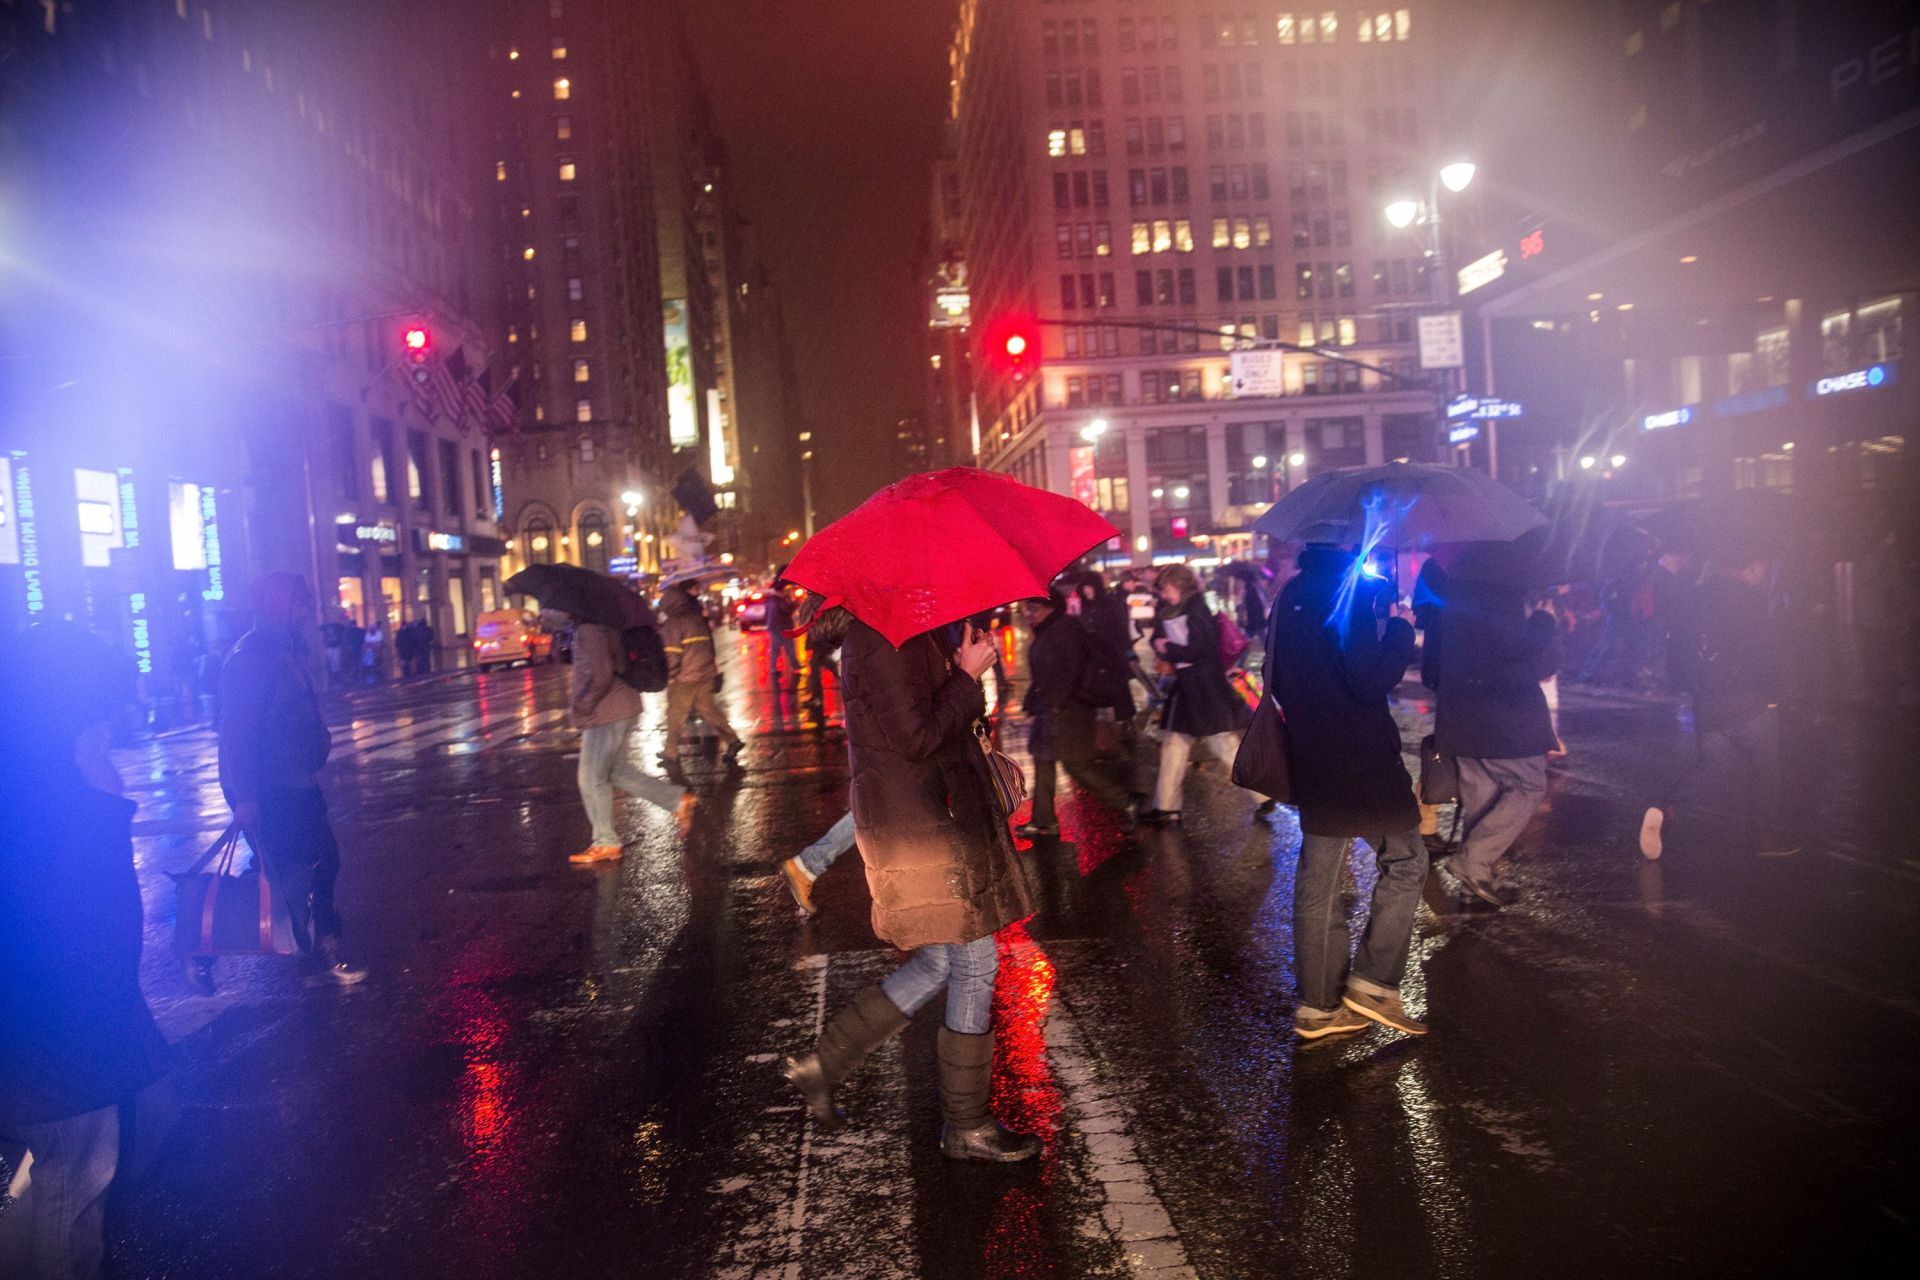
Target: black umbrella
x=1403, y=504
x=588, y=596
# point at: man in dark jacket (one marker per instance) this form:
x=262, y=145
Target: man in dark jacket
x=76, y=1039
x=1733, y=669
x=1059, y=660
x=1491, y=716
x=1331, y=666
x=273, y=742
x=693, y=675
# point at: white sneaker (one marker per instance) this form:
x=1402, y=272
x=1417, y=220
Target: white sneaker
x=1650, y=823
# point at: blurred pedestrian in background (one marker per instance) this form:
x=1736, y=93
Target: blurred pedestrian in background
x=1201, y=706
x=76, y=1038
x=1068, y=682
x=273, y=744
x=825, y=634
x=943, y=873
x=1332, y=661
x=693, y=676
x=779, y=643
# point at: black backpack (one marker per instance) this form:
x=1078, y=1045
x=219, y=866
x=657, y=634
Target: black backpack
x=646, y=666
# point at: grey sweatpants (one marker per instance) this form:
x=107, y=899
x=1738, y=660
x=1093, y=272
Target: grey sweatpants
x=1497, y=800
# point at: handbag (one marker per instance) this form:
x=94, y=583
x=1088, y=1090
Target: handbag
x=217, y=913
x=1439, y=774
x=1009, y=780
x=1261, y=763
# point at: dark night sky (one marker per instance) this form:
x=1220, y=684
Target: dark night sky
x=831, y=112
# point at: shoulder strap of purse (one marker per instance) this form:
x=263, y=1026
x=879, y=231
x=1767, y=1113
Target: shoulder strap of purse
x=226, y=843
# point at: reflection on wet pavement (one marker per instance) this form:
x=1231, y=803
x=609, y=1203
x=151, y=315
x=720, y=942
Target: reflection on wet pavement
x=574, y=1072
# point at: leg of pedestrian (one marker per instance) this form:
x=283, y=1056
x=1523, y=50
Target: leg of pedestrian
x=1176, y=750
x=812, y=862
x=1320, y=940
x=595, y=778
x=680, y=701
x=1093, y=776
x=1044, y=821
x=1498, y=799
x=56, y=1227
x=1373, y=987
x=707, y=706
x=968, y=1129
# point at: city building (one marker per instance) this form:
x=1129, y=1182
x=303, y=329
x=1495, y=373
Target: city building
x=950, y=424
x=221, y=222
x=1147, y=189
x=587, y=464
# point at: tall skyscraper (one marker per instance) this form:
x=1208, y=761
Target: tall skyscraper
x=1147, y=188
x=588, y=466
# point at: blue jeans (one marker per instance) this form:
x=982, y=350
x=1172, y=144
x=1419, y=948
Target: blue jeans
x=818, y=856
x=1320, y=924
x=57, y=1227
x=965, y=969
x=603, y=766
x=779, y=643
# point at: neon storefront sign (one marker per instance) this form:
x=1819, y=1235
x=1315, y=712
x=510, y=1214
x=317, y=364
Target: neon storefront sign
x=1877, y=375
x=1671, y=418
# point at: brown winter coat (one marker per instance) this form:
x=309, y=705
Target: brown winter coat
x=940, y=862
x=599, y=695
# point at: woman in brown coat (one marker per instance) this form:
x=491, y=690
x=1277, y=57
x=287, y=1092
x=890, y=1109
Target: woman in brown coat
x=942, y=871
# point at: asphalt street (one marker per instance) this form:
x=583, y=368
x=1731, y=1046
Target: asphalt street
x=1700, y=1065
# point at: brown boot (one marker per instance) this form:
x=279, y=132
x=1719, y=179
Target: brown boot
x=969, y=1131
x=854, y=1032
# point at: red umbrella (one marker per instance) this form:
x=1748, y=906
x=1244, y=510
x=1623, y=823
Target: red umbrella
x=943, y=546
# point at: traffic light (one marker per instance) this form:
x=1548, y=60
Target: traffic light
x=1013, y=346
x=416, y=344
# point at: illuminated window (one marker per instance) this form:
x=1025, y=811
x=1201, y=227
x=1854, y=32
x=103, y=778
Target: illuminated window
x=1403, y=23
x=1182, y=235
x=578, y=331
x=513, y=55
x=499, y=170
x=1222, y=233
x=527, y=253
x=1242, y=234
x=1349, y=331
x=566, y=171
x=1162, y=235
x=1284, y=28
x=1142, y=237
x=563, y=128
x=583, y=411
x=580, y=371
x=513, y=333
x=1077, y=141
x=1056, y=142
x=1262, y=231
x=559, y=48
x=562, y=89
x=1329, y=26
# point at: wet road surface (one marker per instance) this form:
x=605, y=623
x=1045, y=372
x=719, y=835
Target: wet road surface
x=1701, y=1065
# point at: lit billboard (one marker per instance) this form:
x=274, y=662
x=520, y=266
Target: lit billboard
x=683, y=419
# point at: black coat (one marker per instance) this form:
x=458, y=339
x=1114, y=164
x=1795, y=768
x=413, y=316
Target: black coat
x=1332, y=676
x=1202, y=702
x=1490, y=704
x=1110, y=630
x=940, y=861
x=1064, y=670
x=75, y=1033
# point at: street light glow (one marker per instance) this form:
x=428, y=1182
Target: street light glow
x=1457, y=175
x=1618, y=460
x=1588, y=462
x=1296, y=459
x=634, y=498
x=1092, y=432
x=1260, y=462
x=1401, y=213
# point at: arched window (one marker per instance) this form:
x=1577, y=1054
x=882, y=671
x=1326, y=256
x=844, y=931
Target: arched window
x=543, y=546
x=595, y=540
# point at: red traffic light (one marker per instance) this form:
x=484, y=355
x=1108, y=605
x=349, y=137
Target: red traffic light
x=1013, y=345
x=417, y=340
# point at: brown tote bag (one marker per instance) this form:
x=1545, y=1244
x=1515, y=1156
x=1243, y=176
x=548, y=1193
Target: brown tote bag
x=216, y=913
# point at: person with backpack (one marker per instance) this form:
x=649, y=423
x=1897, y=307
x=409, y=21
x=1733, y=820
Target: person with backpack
x=604, y=708
x=1201, y=705
x=693, y=675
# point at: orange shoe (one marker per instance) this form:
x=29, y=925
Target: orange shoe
x=596, y=853
x=683, y=812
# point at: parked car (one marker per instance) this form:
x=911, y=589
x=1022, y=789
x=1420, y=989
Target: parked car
x=750, y=612
x=502, y=637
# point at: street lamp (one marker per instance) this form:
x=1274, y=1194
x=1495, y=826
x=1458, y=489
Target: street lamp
x=1401, y=213
x=1092, y=432
x=634, y=499
x=1457, y=175
x=1618, y=460
x=1589, y=462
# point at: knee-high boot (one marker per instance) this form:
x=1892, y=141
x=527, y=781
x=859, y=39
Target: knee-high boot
x=969, y=1131
x=844, y=1044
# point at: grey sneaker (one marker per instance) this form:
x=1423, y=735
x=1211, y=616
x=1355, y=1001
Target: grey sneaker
x=1385, y=1010
x=1312, y=1024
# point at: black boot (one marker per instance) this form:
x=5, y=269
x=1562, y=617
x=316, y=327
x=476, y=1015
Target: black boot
x=969, y=1131
x=854, y=1032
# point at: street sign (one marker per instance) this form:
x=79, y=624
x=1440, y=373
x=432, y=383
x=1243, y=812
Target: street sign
x=1258, y=373
x=1482, y=271
x=1482, y=409
x=1441, y=346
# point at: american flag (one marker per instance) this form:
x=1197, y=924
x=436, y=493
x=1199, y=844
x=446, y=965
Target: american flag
x=446, y=391
x=504, y=408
